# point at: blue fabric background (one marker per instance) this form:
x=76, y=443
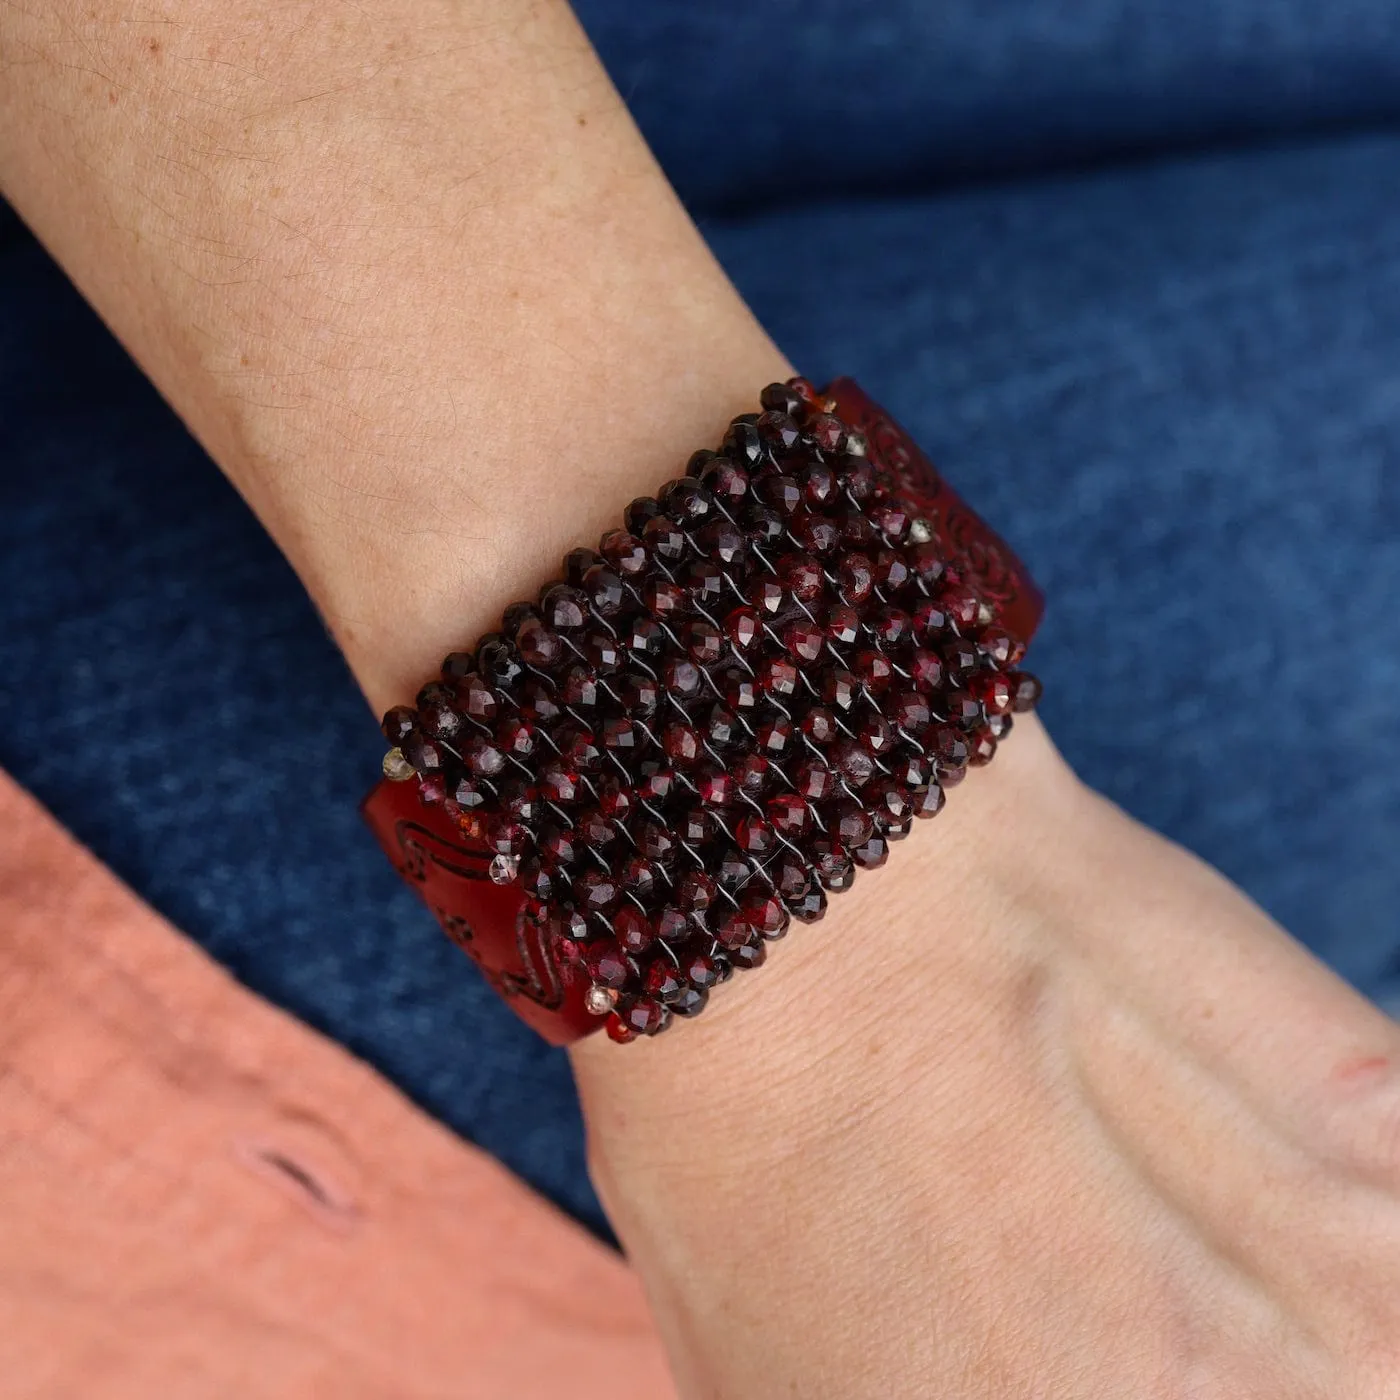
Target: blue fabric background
x=1164, y=359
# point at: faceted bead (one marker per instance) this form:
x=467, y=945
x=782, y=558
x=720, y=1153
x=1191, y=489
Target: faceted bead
x=559, y=782
x=843, y=624
x=790, y=876
x=537, y=879
x=741, y=693
x=477, y=699
x=717, y=787
x=752, y=773
x=603, y=652
x=840, y=689
x=853, y=762
x=538, y=644
x=927, y=801
x=685, y=501
x=856, y=578
x=804, y=640
x=704, y=641
x=508, y=838
x=930, y=620
x=873, y=854
x=780, y=431
x=782, y=398
x=856, y=531
x=778, y=676
x=624, y=552
x=926, y=562
x=645, y=1016
x=497, y=663
x=891, y=572
x=663, y=599
x=984, y=747
x=457, y=666
x=604, y=589
x=664, y=539
x=432, y=789
x=639, y=511
x=468, y=795
x=568, y=926
x=949, y=748
x=749, y=955
x=696, y=892
x=732, y=870
x=1000, y=725
x=831, y=862
x=537, y=702
x=595, y=829
x=681, y=677
x=742, y=628
x=697, y=826
x=619, y=1031
x=993, y=689
x=765, y=914
x=1027, y=691
x=742, y=442
x=699, y=460
x=516, y=736
x=819, y=725
x=557, y=846
x=577, y=746
x=663, y=980
x=639, y=694
x=891, y=520
x=726, y=482
x=704, y=580
x=577, y=562
x=962, y=606
x=756, y=837
x=642, y=635
x=874, y=668
x=518, y=799
x=721, y=728
x=893, y=627
x=655, y=781
x=876, y=733
x=564, y=607
x=925, y=670
x=766, y=595
x=621, y=735
x=809, y=906
x=814, y=781
x=850, y=824
x=764, y=527
x=689, y=1001
x=789, y=814
x=700, y=971
x=857, y=477
x=483, y=757
x=961, y=708
x=579, y=685
x=398, y=723
x=960, y=658
x=801, y=576
x=888, y=802
x=437, y=714
x=782, y=493
x=681, y=744
x=910, y=769
x=423, y=753
x=826, y=432
x=1000, y=647
x=818, y=484
x=596, y=891
x=655, y=842
x=774, y=736
x=732, y=930
x=672, y=926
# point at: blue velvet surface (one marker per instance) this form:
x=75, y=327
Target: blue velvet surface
x=1173, y=382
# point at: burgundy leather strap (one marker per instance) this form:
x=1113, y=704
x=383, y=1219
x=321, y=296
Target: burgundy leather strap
x=485, y=919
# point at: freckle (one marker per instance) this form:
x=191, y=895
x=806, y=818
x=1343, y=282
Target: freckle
x=583, y=121
x=242, y=359
x=154, y=46
x=111, y=97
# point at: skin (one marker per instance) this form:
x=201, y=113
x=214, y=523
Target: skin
x=1043, y=1109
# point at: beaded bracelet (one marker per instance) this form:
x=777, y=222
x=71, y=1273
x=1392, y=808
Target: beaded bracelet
x=712, y=722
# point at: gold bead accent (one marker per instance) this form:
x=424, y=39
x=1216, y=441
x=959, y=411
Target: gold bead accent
x=396, y=767
x=599, y=1000
x=920, y=531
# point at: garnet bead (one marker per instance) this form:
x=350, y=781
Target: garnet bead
x=398, y=723
x=1026, y=695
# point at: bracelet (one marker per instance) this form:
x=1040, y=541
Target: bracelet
x=712, y=721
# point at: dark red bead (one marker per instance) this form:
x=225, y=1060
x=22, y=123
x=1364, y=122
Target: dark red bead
x=704, y=641
x=604, y=652
x=891, y=520
x=742, y=628
x=764, y=526
x=876, y=733
x=516, y=736
x=655, y=842
x=595, y=829
x=607, y=964
x=579, y=685
x=423, y=753
x=398, y=723
x=927, y=801
x=742, y=442
x=856, y=531
x=639, y=694
x=948, y=747
x=732, y=929
x=748, y=955
x=518, y=798
x=892, y=627
x=782, y=398
x=700, y=971
x=696, y=892
x=645, y=1016
x=621, y=735
x=790, y=876
x=477, y=699
x=789, y=814
x=697, y=826
x=831, y=863
x=801, y=576
x=1026, y=695
x=432, y=789
x=665, y=540
x=722, y=542
x=778, y=676
x=681, y=677
x=891, y=572
x=557, y=846
x=926, y=562
x=664, y=980
x=483, y=757
x=655, y=781
x=689, y=1001
x=960, y=658
x=633, y=930
x=782, y=493
x=818, y=484
x=873, y=854
x=850, y=824
x=765, y=914
x=619, y=1030
x=577, y=746
x=993, y=689
x=843, y=624
x=826, y=432
x=537, y=701
x=539, y=645
x=766, y=595
x=815, y=533
x=856, y=577
x=1000, y=647
x=721, y=728
x=1000, y=725
x=804, y=640
x=874, y=668
x=624, y=552
x=853, y=762
x=596, y=891
x=603, y=587
x=437, y=713
x=663, y=599
x=704, y=580
x=930, y=620
x=780, y=431
x=774, y=736
x=962, y=606
x=559, y=782
x=819, y=725
x=507, y=837
x=809, y=906
x=468, y=795
x=685, y=501
x=726, y=482
x=564, y=608
x=752, y=773
x=756, y=837
x=984, y=747
x=732, y=870
x=910, y=769
x=888, y=802
x=910, y=711
x=537, y=878
x=961, y=707
x=925, y=670
x=717, y=786
x=814, y=781
x=840, y=689
x=497, y=662
x=672, y=926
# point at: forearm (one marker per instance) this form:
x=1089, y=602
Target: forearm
x=406, y=270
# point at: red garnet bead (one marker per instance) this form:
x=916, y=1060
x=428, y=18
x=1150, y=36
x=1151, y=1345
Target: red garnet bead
x=984, y=747
x=619, y=1030
x=802, y=576
x=789, y=814
x=814, y=781
x=809, y=906
x=732, y=930
x=853, y=762
x=624, y=552
x=756, y=837
x=766, y=595
x=962, y=708
x=1000, y=647
x=993, y=689
x=663, y=981
x=752, y=773
x=645, y=1016
x=927, y=801
x=832, y=864
x=774, y=736
x=926, y=671
x=701, y=971
x=743, y=628
x=748, y=955
x=607, y=965
x=873, y=854
x=681, y=744
x=856, y=578
x=697, y=891
x=1026, y=695
x=778, y=677
x=819, y=725
x=672, y=926
x=765, y=914
x=804, y=640
x=718, y=787
x=633, y=930
x=960, y=658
